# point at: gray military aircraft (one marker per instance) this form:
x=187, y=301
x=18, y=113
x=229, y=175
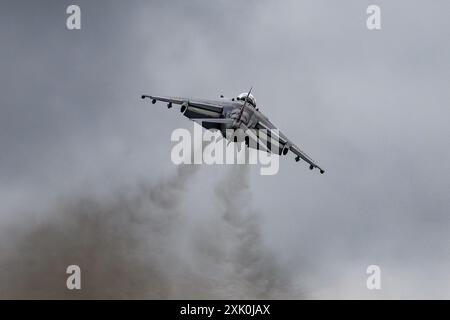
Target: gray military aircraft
x=237, y=113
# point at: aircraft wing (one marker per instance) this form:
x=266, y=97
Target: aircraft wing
x=302, y=155
x=175, y=100
x=292, y=147
x=208, y=113
x=206, y=108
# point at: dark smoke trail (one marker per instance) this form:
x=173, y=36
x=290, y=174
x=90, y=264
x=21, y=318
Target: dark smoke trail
x=118, y=243
x=259, y=273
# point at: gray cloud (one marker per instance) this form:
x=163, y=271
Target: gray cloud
x=370, y=106
x=131, y=246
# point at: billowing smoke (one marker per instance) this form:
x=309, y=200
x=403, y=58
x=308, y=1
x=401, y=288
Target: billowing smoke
x=139, y=244
x=119, y=242
x=256, y=266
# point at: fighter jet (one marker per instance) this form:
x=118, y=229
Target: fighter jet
x=236, y=113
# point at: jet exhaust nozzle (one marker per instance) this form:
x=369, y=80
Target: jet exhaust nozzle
x=184, y=107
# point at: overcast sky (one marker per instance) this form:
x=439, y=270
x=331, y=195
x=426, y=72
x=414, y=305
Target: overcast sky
x=372, y=107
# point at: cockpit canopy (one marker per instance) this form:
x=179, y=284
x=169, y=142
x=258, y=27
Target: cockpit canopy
x=251, y=99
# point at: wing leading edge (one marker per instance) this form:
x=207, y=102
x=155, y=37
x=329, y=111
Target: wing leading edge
x=191, y=103
x=199, y=110
x=292, y=147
